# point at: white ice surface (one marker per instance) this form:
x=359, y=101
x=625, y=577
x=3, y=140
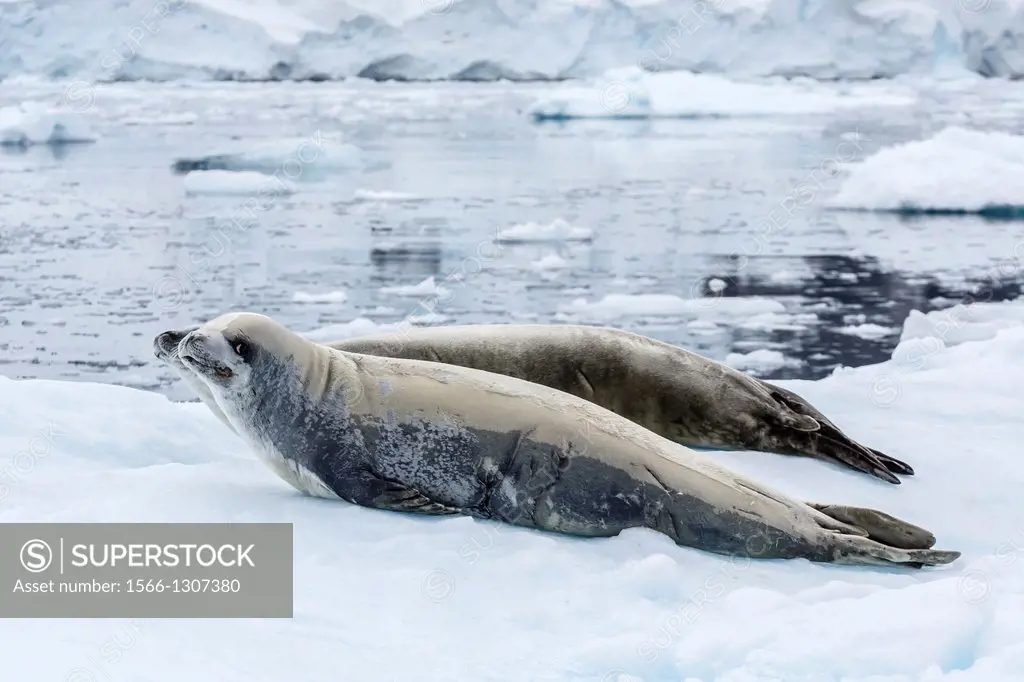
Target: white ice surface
x=491, y=39
x=382, y=596
x=33, y=123
x=957, y=170
x=226, y=183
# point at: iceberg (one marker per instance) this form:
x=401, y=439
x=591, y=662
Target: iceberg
x=633, y=607
x=956, y=171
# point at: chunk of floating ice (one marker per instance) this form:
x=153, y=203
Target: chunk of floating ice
x=326, y=297
x=222, y=182
x=428, y=287
x=550, y=261
x=867, y=331
x=382, y=195
x=760, y=360
x=618, y=305
x=557, y=230
x=360, y=326
x=631, y=93
x=32, y=123
x=957, y=171
x=292, y=160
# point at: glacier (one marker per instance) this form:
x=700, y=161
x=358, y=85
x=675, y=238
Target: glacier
x=483, y=40
x=382, y=595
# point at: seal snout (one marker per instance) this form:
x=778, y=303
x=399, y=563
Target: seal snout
x=193, y=350
x=165, y=345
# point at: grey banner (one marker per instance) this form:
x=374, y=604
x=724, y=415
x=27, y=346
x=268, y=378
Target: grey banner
x=145, y=570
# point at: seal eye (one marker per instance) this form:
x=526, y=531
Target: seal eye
x=241, y=348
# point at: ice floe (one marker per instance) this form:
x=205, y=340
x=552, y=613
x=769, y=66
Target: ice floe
x=956, y=171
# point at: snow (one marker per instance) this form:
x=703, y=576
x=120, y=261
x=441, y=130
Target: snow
x=558, y=230
x=631, y=93
x=33, y=123
x=957, y=170
x=249, y=183
x=287, y=160
x=485, y=602
x=428, y=287
x=619, y=305
x=326, y=297
x=108, y=40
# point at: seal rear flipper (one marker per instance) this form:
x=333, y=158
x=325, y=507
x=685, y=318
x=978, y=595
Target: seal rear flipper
x=855, y=550
x=879, y=526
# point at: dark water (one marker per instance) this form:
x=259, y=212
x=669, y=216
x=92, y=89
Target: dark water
x=100, y=248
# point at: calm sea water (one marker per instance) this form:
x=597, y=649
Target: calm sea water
x=100, y=248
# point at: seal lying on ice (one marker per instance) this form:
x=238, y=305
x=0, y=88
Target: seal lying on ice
x=677, y=394
x=409, y=435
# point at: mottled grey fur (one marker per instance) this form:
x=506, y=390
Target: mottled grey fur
x=677, y=394
x=439, y=439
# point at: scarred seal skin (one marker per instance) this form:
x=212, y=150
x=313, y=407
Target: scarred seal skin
x=683, y=396
x=441, y=439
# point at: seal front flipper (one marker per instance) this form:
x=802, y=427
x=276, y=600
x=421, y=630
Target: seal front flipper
x=828, y=442
x=894, y=465
x=380, y=493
